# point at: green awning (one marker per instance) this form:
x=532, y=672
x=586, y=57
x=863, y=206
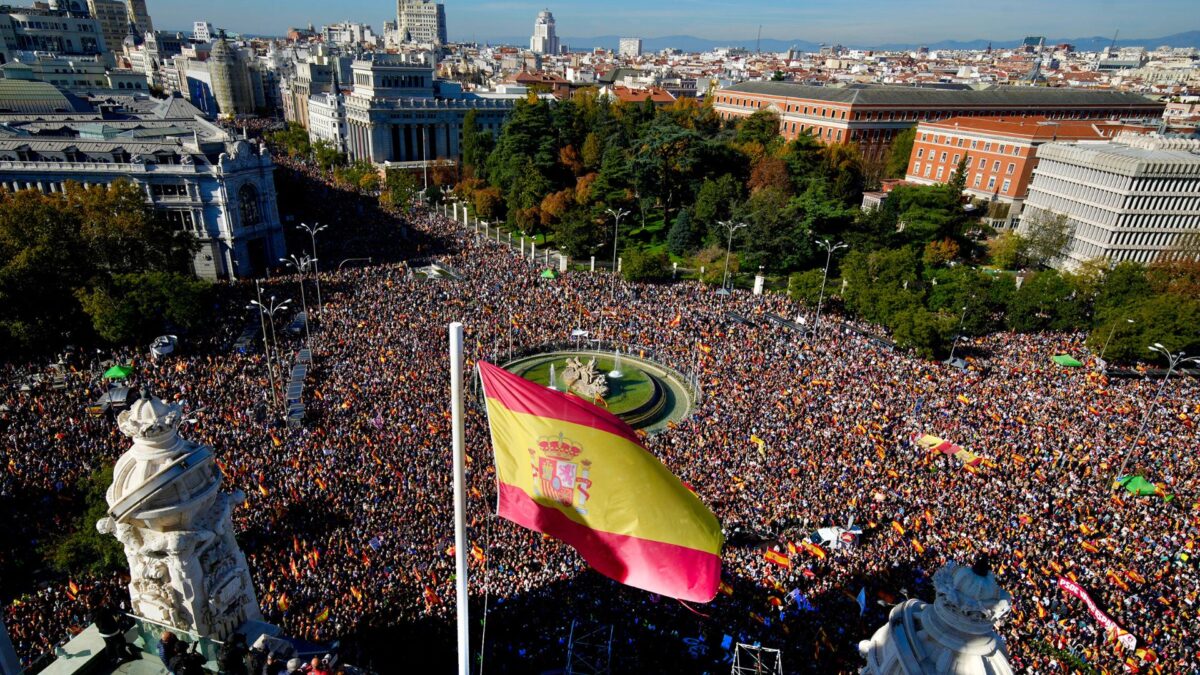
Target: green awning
x=118, y=372
x=1137, y=485
x=1067, y=361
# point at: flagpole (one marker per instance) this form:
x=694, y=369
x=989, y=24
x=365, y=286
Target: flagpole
x=460, y=516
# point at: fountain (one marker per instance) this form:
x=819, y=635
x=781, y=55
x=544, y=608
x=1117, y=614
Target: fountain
x=551, y=385
x=616, y=371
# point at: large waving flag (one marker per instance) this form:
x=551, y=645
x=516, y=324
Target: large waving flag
x=577, y=473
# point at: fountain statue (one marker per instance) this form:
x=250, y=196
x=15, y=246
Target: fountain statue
x=583, y=380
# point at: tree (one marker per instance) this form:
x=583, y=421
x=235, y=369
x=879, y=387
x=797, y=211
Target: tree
x=1045, y=301
x=926, y=333
x=1047, y=235
x=580, y=235
x=711, y=260
x=898, y=155
x=770, y=172
x=1006, y=250
x=958, y=179
x=141, y=305
x=715, y=201
x=939, y=253
x=1168, y=319
x=1177, y=271
x=400, y=189
x=806, y=286
x=123, y=233
x=85, y=550
x=879, y=285
x=680, y=239
x=326, y=155
x=641, y=265
x=762, y=127
x=1123, y=285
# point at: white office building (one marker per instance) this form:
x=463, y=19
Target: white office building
x=421, y=21
x=544, y=40
x=327, y=117
x=1129, y=199
x=630, y=47
x=202, y=31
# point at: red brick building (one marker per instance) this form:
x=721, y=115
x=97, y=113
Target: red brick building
x=872, y=115
x=1001, y=152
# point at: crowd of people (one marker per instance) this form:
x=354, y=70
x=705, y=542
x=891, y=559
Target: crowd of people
x=348, y=522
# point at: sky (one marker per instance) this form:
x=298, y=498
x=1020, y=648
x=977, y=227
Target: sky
x=861, y=22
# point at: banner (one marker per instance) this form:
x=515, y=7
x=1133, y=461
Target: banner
x=933, y=443
x=1126, y=639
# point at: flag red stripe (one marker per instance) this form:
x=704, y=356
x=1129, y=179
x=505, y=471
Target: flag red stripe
x=521, y=395
x=667, y=569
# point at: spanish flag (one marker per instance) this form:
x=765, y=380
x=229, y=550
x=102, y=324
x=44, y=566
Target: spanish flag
x=571, y=470
x=777, y=558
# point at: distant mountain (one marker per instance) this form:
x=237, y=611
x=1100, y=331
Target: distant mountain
x=691, y=43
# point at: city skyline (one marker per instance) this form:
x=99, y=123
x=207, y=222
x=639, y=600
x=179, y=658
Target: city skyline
x=920, y=21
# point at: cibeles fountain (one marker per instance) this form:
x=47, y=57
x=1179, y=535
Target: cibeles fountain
x=166, y=507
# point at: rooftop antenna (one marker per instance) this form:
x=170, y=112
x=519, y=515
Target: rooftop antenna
x=1113, y=46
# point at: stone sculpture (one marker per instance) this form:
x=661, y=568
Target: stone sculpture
x=167, y=510
x=583, y=379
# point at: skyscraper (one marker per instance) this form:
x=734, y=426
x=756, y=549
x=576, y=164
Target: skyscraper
x=630, y=47
x=421, y=21
x=139, y=16
x=544, y=41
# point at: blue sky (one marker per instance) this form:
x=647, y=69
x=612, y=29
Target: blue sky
x=860, y=22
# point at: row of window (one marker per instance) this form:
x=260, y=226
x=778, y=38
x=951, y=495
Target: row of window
x=81, y=27
x=918, y=115
x=986, y=146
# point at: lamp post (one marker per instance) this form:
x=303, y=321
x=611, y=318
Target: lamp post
x=1173, y=360
x=301, y=266
x=268, y=311
x=617, y=215
x=829, y=249
x=255, y=305
x=731, y=227
x=962, y=320
x=312, y=231
x=1110, y=337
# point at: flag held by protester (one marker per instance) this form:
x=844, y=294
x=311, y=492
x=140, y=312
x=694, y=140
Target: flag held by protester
x=571, y=470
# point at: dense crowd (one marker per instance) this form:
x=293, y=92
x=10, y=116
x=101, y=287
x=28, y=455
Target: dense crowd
x=348, y=522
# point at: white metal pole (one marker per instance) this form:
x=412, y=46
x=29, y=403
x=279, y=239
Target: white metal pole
x=460, y=504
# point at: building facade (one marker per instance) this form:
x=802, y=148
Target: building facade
x=1128, y=199
x=139, y=16
x=203, y=179
x=398, y=112
x=229, y=75
x=327, y=118
x=630, y=47
x=1001, y=152
x=113, y=19
x=872, y=115
x=544, y=40
x=63, y=32
x=421, y=21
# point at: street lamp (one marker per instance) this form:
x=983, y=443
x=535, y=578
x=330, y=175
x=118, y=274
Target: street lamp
x=954, y=346
x=1173, y=360
x=829, y=249
x=312, y=231
x=617, y=215
x=301, y=266
x=731, y=227
x=1110, y=337
x=268, y=310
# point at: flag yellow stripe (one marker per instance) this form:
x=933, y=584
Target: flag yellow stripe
x=631, y=492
